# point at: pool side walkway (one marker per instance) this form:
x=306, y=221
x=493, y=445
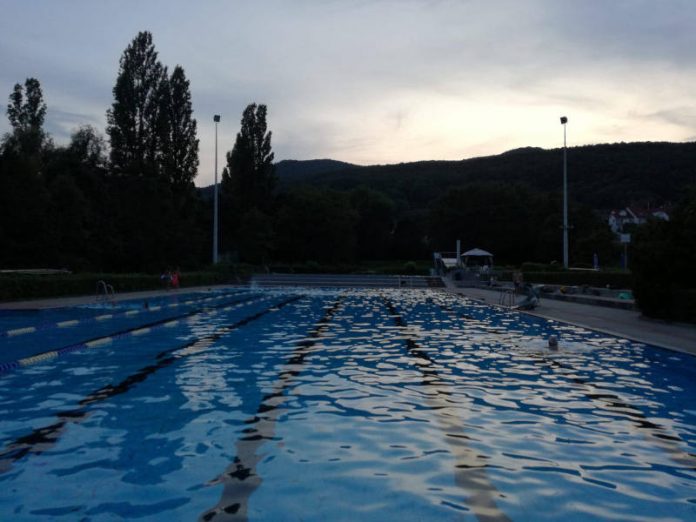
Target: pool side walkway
x=623, y=323
x=62, y=302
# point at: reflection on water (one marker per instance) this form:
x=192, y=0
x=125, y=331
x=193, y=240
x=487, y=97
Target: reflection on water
x=417, y=405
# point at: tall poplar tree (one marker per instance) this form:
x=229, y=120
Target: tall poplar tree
x=249, y=177
x=25, y=224
x=248, y=181
x=180, y=156
x=26, y=112
x=137, y=126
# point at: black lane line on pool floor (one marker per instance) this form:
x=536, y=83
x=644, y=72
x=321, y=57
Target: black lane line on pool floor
x=655, y=433
x=470, y=469
x=42, y=439
x=82, y=345
x=241, y=479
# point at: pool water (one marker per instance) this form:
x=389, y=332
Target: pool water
x=297, y=404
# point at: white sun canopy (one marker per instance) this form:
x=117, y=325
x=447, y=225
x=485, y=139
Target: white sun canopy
x=477, y=252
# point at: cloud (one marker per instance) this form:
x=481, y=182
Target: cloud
x=680, y=116
x=378, y=81
x=625, y=30
x=62, y=124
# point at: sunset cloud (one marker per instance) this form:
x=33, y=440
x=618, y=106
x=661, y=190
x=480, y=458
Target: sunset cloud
x=378, y=81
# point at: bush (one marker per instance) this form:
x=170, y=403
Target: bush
x=540, y=267
x=28, y=286
x=590, y=278
x=397, y=267
x=410, y=267
x=371, y=267
x=685, y=305
x=663, y=261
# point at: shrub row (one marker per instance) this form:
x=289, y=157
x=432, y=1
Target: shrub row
x=23, y=286
x=15, y=287
x=386, y=267
x=571, y=278
x=664, y=301
x=684, y=305
x=541, y=267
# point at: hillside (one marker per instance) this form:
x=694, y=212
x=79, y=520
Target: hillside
x=600, y=176
x=291, y=171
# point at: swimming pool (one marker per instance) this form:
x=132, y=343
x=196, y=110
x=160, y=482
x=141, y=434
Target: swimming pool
x=295, y=404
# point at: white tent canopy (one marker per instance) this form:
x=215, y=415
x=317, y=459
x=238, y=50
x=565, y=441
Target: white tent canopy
x=477, y=257
x=477, y=252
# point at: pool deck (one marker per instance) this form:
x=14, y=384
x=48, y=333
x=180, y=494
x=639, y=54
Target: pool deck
x=615, y=321
x=63, y=302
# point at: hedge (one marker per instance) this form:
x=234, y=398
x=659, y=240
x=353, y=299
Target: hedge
x=616, y=280
x=685, y=305
x=377, y=267
x=664, y=301
x=590, y=278
x=24, y=286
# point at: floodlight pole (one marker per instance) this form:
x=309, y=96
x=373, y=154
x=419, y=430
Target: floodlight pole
x=216, y=119
x=564, y=121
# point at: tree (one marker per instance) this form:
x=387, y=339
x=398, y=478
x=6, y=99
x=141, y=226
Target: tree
x=409, y=238
x=248, y=179
x=494, y=217
x=137, y=126
x=25, y=224
x=375, y=223
x=26, y=112
x=316, y=225
x=79, y=188
x=255, y=238
x=663, y=260
x=71, y=220
x=181, y=147
x=154, y=158
x=87, y=147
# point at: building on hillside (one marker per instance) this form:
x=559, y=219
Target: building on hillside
x=619, y=219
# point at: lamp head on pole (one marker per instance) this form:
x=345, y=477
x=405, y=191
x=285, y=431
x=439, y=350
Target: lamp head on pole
x=216, y=118
x=564, y=120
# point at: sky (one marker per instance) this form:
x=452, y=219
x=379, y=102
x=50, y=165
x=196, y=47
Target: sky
x=375, y=81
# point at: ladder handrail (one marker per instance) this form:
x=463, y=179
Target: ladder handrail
x=507, y=297
x=104, y=289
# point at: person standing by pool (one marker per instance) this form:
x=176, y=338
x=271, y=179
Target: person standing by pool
x=175, y=279
x=166, y=278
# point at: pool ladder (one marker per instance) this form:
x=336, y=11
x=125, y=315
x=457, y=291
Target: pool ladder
x=105, y=291
x=507, y=297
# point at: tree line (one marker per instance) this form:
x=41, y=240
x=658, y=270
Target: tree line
x=127, y=206
x=127, y=201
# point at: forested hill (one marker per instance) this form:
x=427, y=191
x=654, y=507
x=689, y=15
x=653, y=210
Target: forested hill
x=600, y=176
x=289, y=171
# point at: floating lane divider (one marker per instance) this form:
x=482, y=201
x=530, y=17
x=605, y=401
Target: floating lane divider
x=104, y=317
x=241, y=479
x=42, y=439
x=470, y=469
x=138, y=330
